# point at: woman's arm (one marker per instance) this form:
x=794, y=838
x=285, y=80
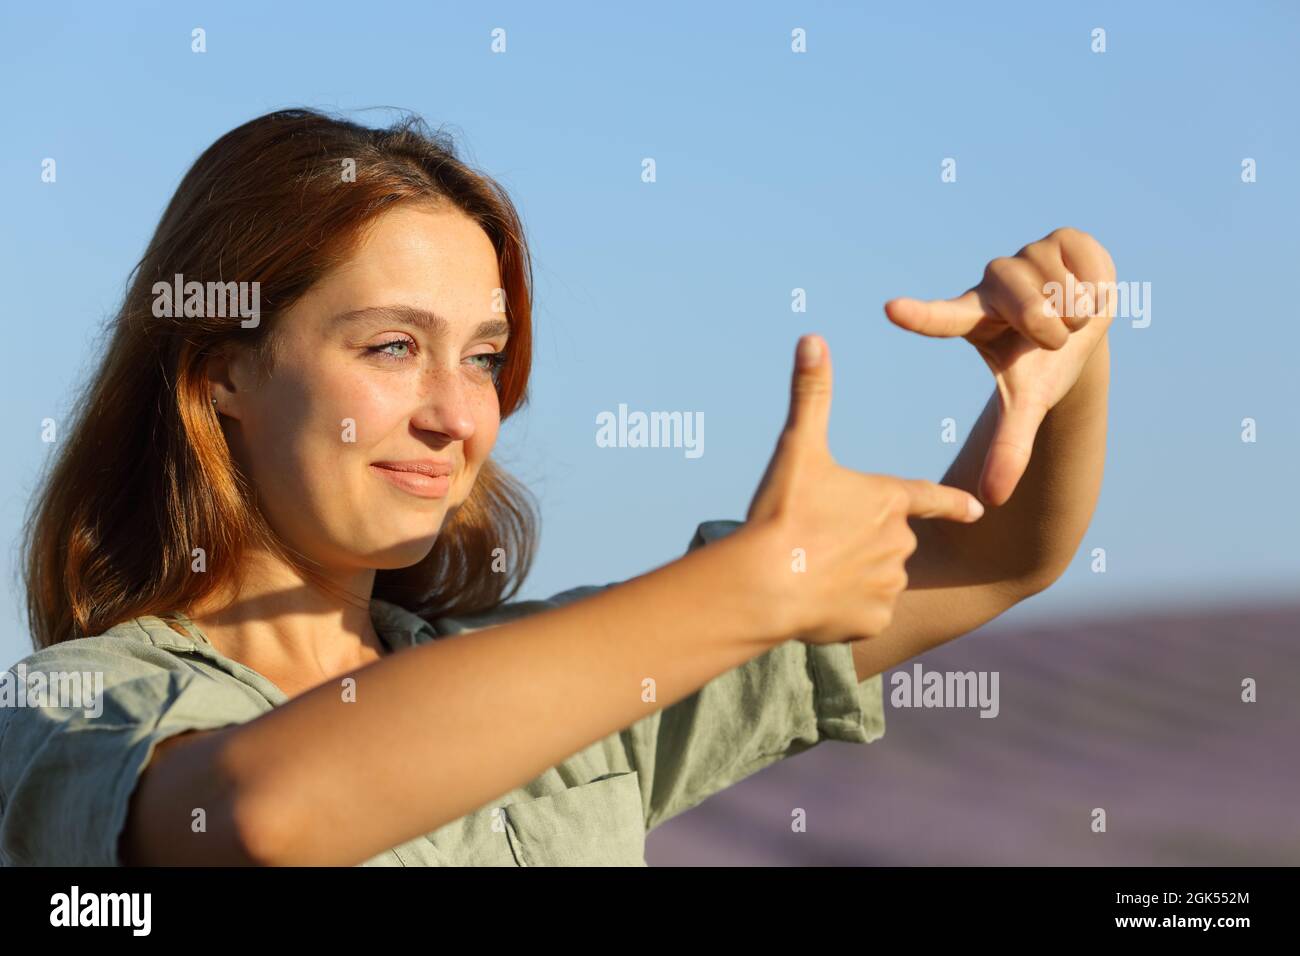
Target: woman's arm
x=962, y=576
x=1028, y=542
x=1050, y=357
x=439, y=730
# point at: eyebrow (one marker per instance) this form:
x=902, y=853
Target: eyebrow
x=431, y=322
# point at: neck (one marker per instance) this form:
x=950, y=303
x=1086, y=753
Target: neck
x=287, y=627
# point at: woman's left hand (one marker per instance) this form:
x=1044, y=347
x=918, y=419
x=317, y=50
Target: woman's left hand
x=1035, y=318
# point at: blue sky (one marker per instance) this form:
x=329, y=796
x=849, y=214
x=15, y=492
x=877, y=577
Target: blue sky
x=775, y=170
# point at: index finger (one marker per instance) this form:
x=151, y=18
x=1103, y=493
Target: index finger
x=932, y=500
x=940, y=318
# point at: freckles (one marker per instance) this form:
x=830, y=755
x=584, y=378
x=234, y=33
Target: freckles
x=488, y=401
x=488, y=412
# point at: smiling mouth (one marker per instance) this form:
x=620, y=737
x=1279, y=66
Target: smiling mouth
x=415, y=482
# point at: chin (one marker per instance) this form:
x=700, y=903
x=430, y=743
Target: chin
x=402, y=554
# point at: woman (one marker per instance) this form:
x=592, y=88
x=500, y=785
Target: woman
x=277, y=502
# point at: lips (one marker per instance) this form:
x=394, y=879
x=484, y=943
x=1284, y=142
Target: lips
x=424, y=479
x=429, y=468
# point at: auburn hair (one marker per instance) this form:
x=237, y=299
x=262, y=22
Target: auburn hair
x=144, y=476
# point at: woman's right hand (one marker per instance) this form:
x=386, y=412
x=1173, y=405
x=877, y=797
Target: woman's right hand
x=837, y=539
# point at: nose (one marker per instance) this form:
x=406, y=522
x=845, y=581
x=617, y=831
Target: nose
x=446, y=404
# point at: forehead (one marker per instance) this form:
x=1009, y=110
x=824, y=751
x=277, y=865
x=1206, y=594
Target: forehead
x=435, y=325
x=435, y=259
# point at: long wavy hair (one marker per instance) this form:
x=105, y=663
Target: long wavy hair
x=144, y=475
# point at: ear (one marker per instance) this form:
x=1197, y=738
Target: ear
x=231, y=373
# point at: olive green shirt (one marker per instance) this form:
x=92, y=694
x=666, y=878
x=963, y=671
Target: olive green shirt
x=67, y=773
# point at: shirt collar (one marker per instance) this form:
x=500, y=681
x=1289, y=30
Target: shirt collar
x=396, y=626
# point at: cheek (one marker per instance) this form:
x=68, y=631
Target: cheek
x=274, y=423
x=328, y=413
x=374, y=403
x=487, y=425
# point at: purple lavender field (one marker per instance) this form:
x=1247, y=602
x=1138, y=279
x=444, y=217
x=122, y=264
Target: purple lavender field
x=1140, y=715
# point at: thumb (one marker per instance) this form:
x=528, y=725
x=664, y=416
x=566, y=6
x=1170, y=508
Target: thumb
x=1009, y=452
x=810, y=392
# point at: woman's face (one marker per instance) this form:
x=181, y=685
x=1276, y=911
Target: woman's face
x=385, y=362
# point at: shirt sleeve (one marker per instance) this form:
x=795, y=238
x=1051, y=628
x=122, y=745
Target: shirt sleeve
x=67, y=772
x=773, y=706
x=776, y=705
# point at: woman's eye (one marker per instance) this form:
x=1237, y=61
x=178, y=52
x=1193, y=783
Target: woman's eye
x=380, y=349
x=494, y=362
x=399, y=350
